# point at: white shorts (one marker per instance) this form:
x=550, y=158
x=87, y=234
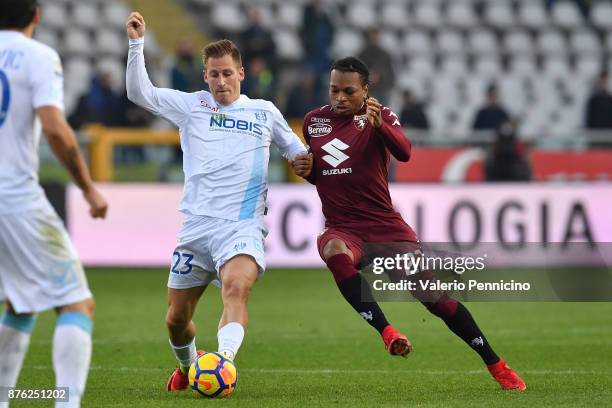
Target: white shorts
x=205, y=244
x=39, y=267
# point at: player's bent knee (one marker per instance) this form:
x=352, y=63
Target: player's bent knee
x=177, y=321
x=235, y=291
x=336, y=247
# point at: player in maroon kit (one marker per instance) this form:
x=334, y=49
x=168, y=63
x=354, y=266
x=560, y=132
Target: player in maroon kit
x=351, y=141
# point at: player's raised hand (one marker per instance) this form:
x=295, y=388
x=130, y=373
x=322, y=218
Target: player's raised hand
x=302, y=164
x=97, y=203
x=374, y=112
x=135, y=26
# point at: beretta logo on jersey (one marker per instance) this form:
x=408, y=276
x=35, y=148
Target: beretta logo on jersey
x=360, y=121
x=319, y=129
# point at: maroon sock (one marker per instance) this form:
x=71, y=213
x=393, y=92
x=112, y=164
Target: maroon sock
x=356, y=291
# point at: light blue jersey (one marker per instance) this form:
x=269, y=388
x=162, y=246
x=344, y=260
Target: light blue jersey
x=226, y=148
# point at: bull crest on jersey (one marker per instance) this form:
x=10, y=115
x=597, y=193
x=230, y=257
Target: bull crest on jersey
x=360, y=121
x=261, y=116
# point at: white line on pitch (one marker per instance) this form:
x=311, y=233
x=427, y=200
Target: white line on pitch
x=340, y=371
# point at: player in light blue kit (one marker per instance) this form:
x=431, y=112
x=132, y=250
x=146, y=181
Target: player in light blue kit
x=39, y=267
x=225, y=138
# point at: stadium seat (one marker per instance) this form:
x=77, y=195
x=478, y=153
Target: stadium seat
x=54, y=15
x=551, y=41
x=450, y=42
x=565, y=14
x=487, y=66
x=601, y=14
x=110, y=42
x=499, y=14
x=454, y=66
x=588, y=67
x=227, y=17
x=347, y=42
x=421, y=67
x=115, y=14
x=361, y=15
x=417, y=43
x=532, y=15
x=390, y=41
x=394, y=15
x=512, y=94
x=481, y=41
x=77, y=74
x=474, y=88
x=290, y=15
x=427, y=15
x=460, y=15
x=86, y=15
x=518, y=41
x=522, y=66
x=288, y=44
x=445, y=91
x=585, y=42
x=556, y=67
x=47, y=36
x=77, y=42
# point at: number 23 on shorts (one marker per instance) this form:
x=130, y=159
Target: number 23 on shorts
x=181, y=263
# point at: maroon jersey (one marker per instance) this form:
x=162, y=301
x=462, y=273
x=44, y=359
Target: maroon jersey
x=351, y=169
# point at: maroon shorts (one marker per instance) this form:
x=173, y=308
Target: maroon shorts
x=354, y=238
x=352, y=241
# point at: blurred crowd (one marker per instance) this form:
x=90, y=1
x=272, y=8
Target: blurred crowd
x=307, y=89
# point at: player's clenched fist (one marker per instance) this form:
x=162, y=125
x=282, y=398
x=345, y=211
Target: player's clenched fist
x=302, y=164
x=135, y=26
x=373, y=112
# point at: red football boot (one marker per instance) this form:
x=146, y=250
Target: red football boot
x=178, y=380
x=506, y=377
x=396, y=342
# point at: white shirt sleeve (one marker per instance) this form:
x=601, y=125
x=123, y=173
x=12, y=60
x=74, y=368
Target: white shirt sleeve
x=47, y=80
x=284, y=138
x=169, y=103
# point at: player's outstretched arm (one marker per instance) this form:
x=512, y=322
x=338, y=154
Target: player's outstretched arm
x=135, y=26
x=169, y=103
x=63, y=142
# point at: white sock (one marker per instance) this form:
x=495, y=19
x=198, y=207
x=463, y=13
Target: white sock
x=230, y=338
x=72, y=347
x=15, y=333
x=185, y=354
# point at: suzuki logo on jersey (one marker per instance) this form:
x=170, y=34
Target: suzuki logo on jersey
x=229, y=123
x=334, y=148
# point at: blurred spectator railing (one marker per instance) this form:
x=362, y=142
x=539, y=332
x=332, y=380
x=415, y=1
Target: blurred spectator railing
x=102, y=140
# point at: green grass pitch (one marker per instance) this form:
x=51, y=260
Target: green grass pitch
x=306, y=347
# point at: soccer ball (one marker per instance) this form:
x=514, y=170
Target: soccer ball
x=212, y=376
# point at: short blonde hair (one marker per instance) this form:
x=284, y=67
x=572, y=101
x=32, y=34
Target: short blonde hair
x=220, y=49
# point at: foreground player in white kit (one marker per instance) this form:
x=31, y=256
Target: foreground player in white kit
x=39, y=268
x=225, y=138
